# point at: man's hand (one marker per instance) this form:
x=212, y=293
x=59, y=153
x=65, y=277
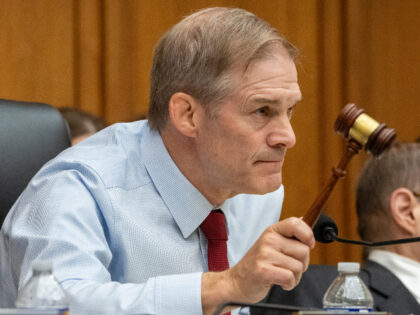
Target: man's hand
x=279, y=256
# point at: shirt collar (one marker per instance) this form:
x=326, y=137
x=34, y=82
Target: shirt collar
x=404, y=268
x=187, y=205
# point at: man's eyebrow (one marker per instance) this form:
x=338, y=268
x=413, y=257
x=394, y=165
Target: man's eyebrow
x=264, y=100
x=271, y=101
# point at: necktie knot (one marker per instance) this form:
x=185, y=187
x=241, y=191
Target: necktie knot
x=214, y=226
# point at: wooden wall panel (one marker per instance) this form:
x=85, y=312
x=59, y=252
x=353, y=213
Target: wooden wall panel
x=89, y=66
x=36, y=55
x=96, y=55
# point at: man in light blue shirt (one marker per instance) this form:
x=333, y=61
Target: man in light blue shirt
x=119, y=214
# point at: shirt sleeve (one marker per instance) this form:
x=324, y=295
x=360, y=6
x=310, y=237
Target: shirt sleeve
x=173, y=294
x=60, y=218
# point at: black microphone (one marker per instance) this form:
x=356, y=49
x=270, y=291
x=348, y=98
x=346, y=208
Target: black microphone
x=269, y=306
x=326, y=231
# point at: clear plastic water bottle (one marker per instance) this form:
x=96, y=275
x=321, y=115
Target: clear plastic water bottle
x=43, y=292
x=348, y=293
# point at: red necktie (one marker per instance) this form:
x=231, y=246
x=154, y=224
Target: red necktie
x=214, y=228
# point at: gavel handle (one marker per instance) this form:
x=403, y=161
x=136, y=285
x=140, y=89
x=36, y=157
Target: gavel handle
x=311, y=216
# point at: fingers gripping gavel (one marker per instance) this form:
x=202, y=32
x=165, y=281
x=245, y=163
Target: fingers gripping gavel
x=361, y=131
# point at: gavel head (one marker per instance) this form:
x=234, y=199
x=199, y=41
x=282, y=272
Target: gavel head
x=355, y=125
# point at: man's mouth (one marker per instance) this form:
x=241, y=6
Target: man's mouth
x=269, y=162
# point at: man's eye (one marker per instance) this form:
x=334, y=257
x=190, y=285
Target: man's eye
x=264, y=111
x=290, y=112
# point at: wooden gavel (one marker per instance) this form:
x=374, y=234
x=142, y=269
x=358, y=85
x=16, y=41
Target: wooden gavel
x=361, y=131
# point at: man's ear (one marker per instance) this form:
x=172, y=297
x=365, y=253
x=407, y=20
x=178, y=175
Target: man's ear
x=403, y=205
x=184, y=112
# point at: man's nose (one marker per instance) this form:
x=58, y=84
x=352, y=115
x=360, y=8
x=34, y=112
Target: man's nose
x=282, y=134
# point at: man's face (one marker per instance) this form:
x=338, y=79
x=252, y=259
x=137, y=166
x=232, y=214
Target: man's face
x=242, y=148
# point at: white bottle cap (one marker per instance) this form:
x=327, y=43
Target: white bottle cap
x=42, y=265
x=348, y=267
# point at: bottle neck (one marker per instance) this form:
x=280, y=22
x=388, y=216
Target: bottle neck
x=41, y=272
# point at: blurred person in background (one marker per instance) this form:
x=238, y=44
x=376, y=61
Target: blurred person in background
x=81, y=123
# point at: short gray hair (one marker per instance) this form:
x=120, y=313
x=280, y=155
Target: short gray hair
x=198, y=55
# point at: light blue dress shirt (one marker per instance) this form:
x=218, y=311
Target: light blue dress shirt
x=120, y=222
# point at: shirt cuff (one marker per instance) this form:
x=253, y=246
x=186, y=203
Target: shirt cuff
x=179, y=294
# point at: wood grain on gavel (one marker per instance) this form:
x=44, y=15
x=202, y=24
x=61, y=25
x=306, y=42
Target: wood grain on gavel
x=361, y=131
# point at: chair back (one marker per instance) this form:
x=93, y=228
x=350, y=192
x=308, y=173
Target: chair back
x=30, y=135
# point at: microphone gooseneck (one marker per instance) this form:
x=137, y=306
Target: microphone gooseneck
x=326, y=231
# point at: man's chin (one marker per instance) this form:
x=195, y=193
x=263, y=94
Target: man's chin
x=266, y=186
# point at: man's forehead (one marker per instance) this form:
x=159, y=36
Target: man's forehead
x=286, y=72
x=275, y=66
